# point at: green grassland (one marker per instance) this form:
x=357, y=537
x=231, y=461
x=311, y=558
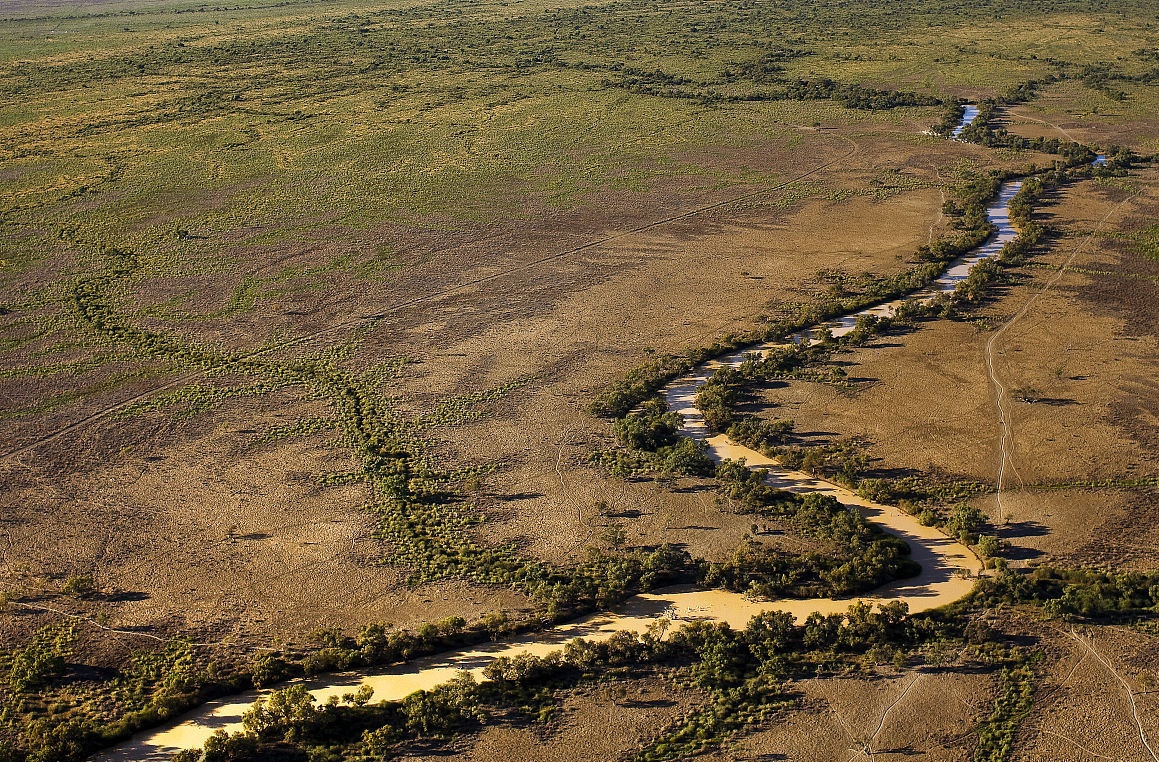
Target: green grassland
x=204, y=138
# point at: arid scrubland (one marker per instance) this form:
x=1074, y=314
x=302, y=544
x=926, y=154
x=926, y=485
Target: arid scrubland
x=313, y=318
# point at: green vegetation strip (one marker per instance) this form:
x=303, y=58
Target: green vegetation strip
x=744, y=677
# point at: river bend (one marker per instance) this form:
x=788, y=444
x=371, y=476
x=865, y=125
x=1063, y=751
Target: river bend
x=948, y=569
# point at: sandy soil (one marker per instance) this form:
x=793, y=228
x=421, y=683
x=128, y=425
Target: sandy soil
x=551, y=430
x=594, y=724
x=1097, y=700
x=912, y=713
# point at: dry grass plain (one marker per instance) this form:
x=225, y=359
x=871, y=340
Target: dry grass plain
x=1075, y=112
x=594, y=724
x=302, y=556
x=1092, y=681
x=481, y=253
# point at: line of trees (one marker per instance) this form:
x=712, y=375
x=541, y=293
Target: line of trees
x=743, y=671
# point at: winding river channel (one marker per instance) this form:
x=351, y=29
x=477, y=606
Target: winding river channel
x=968, y=116
x=948, y=569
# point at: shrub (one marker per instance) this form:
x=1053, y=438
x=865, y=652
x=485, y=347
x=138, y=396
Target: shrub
x=378, y=744
x=42, y=659
x=79, y=586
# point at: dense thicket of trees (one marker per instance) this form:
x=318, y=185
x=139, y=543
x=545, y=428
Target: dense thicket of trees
x=1077, y=594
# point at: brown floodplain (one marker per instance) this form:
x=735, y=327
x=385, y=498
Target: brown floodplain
x=193, y=524
x=1071, y=340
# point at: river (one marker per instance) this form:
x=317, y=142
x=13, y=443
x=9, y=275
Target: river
x=967, y=117
x=948, y=569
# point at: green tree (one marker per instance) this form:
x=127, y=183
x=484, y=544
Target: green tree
x=770, y=633
x=964, y=521
x=223, y=747
x=989, y=546
x=287, y=714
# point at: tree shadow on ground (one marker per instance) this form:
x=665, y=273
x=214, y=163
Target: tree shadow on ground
x=1018, y=529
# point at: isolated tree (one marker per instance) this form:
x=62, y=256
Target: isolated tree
x=614, y=536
